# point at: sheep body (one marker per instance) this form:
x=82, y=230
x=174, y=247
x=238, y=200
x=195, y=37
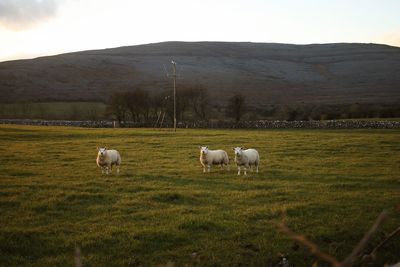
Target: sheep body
x=107, y=158
x=247, y=158
x=213, y=157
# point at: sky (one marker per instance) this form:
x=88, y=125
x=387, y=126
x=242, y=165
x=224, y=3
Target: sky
x=32, y=28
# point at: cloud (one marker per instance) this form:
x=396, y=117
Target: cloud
x=17, y=15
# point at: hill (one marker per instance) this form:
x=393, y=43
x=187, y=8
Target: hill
x=266, y=73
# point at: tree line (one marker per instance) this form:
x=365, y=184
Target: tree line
x=330, y=112
x=192, y=103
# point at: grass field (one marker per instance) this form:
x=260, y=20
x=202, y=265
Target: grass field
x=53, y=198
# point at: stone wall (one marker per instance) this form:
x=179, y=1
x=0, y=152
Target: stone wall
x=261, y=124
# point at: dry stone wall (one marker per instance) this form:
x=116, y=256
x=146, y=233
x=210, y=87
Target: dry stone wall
x=261, y=124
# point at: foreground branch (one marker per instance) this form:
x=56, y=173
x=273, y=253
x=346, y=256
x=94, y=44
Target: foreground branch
x=310, y=245
x=78, y=257
x=371, y=256
x=354, y=255
x=351, y=258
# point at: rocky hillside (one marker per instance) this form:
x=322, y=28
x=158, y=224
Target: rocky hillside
x=266, y=73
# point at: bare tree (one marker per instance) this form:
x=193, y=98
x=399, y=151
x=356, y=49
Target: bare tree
x=199, y=101
x=182, y=103
x=117, y=107
x=138, y=103
x=236, y=107
x=92, y=113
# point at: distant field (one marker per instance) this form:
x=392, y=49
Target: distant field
x=54, y=110
x=53, y=198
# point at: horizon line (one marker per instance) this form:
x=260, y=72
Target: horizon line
x=175, y=41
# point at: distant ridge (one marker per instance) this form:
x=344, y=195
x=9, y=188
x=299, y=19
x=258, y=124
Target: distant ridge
x=267, y=73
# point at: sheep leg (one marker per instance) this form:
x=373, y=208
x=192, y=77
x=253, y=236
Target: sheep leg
x=102, y=170
x=204, y=166
x=223, y=166
x=117, y=169
x=209, y=168
x=257, y=169
x=238, y=170
x=245, y=169
x=106, y=169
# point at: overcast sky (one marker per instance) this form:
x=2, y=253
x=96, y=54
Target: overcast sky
x=31, y=28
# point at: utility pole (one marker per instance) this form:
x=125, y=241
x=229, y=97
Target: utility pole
x=174, y=77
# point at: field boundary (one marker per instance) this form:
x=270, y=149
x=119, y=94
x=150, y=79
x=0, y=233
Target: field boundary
x=260, y=124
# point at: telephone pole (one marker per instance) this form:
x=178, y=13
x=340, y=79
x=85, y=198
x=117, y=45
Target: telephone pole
x=174, y=77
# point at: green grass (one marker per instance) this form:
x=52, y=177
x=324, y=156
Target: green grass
x=53, y=198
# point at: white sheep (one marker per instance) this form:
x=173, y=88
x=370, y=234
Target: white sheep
x=107, y=158
x=246, y=158
x=212, y=157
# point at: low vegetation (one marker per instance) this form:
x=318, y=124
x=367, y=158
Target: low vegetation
x=193, y=104
x=162, y=208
